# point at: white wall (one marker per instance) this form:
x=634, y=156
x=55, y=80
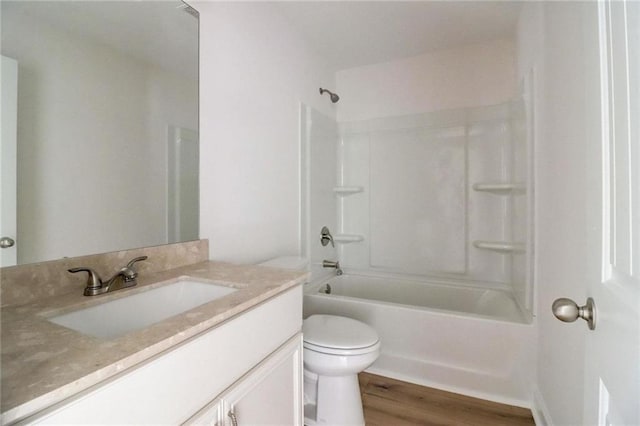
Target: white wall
x=469, y=76
x=91, y=142
x=254, y=72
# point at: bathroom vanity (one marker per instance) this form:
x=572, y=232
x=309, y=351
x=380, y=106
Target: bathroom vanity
x=233, y=360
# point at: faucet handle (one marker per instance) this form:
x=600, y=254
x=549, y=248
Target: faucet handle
x=93, y=280
x=129, y=272
x=137, y=259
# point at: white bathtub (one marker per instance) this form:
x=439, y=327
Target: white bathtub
x=462, y=339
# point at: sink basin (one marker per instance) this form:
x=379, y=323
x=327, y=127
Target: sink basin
x=121, y=316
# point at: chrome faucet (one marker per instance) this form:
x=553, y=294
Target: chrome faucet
x=332, y=264
x=124, y=278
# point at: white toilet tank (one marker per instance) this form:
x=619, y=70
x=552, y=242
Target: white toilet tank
x=287, y=262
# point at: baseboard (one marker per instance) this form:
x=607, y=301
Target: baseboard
x=450, y=379
x=539, y=410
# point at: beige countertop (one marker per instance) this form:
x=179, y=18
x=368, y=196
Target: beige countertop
x=44, y=363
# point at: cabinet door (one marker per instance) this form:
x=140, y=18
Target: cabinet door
x=271, y=393
x=211, y=415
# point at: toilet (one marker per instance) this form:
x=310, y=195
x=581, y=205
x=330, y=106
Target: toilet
x=335, y=350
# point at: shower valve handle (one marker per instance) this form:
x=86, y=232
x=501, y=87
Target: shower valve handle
x=326, y=237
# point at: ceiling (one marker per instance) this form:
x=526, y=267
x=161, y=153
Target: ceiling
x=355, y=33
x=346, y=33
x=153, y=31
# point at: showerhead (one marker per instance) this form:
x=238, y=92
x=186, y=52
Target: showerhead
x=334, y=98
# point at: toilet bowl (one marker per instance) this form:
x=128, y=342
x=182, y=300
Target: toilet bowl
x=335, y=350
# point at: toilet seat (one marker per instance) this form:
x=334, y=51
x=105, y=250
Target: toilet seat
x=337, y=335
x=341, y=352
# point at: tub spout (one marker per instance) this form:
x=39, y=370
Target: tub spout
x=332, y=264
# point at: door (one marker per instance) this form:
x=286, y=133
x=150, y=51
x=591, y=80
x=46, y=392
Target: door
x=183, y=206
x=8, y=165
x=612, y=351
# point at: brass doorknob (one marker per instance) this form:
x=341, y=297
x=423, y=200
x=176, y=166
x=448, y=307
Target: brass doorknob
x=568, y=311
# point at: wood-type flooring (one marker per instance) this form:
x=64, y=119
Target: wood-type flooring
x=389, y=402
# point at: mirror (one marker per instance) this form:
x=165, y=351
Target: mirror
x=107, y=119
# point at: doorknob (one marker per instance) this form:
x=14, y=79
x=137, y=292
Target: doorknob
x=6, y=242
x=568, y=311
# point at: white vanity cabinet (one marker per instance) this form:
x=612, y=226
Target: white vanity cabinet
x=250, y=365
x=269, y=394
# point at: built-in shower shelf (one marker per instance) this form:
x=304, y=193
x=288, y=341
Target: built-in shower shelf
x=500, y=188
x=347, y=190
x=348, y=238
x=500, y=246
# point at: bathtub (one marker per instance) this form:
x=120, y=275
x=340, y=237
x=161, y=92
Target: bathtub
x=460, y=339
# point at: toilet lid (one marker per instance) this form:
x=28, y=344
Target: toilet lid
x=336, y=332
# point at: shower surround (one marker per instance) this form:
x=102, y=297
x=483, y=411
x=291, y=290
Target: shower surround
x=441, y=195
x=431, y=216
